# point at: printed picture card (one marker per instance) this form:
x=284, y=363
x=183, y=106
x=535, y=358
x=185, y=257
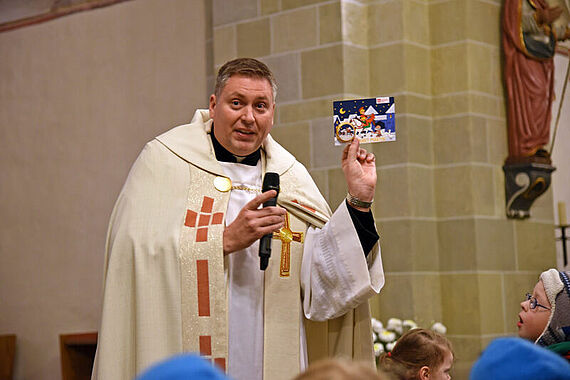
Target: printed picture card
x=370, y=120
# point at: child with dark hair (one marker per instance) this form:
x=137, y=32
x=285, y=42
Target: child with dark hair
x=545, y=315
x=419, y=354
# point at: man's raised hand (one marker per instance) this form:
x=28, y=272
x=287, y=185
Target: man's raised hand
x=359, y=167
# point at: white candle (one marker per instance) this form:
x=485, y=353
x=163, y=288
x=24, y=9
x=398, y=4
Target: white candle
x=562, y=214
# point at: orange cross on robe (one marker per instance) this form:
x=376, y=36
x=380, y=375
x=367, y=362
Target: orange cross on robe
x=287, y=236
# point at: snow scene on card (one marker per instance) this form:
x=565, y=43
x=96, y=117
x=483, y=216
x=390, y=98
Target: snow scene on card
x=369, y=120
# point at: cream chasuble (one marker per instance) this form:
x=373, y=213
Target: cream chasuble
x=168, y=287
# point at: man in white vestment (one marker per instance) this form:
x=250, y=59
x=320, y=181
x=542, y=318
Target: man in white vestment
x=182, y=270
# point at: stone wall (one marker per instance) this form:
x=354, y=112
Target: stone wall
x=449, y=252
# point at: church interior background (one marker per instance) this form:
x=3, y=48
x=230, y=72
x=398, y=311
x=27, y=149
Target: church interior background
x=81, y=94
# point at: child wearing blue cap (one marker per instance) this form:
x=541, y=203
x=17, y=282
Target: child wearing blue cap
x=515, y=358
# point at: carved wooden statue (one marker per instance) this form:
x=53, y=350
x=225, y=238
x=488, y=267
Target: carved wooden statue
x=529, y=39
x=531, y=29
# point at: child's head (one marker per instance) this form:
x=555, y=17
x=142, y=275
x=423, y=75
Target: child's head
x=419, y=354
x=545, y=315
x=341, y=369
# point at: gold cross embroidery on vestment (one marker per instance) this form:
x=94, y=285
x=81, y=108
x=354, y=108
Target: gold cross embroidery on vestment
x=287, y=236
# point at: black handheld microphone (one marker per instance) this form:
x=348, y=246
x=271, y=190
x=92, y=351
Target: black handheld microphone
x=270, y=182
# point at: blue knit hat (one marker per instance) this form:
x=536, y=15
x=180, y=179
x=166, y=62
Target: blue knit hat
x=517, y=358
x=183, y=367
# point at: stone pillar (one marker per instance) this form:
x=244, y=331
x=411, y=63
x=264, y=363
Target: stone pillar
x=449, y=252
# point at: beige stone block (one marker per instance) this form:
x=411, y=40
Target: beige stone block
x=495, y=245
x=413, y=104
x=306, y=110
x=543, y=207
x=290, y=4
x=225, y=45
x=225, y=12
x=337, y=187
x=388, y=303
x=270, y=6
x=422, y=295
x=254, y=38
x=482, y=190
x=285, y=67
x=447, y=21
x=392, y=197
x=454, y=104
x=427, y=299
x=421, y=192
x=466, y=348
x=460, y=139
x=355, y=23
x=457, y=245
x=416, y=22
x=487, y=104
x=355, y=68
x=409, y=245
x=324, y=153
x=516, y=285
x=385, y=22
x=499, y=175
x=321, y=178
x=318, y=68
x=295, y=30
x=416, y=60
x=391, y=59
x=453, y=191
x=484, y=22
x=536, y=250
x=449, y=70
x=330, y=23
x=296, y=139
x=497, y=137
x=496, y=75
x=461, y=306
x=480, y=66
x=420, y=140
x=491, y=304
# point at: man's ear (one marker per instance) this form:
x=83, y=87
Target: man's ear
x=212, y=105
x=424, y=373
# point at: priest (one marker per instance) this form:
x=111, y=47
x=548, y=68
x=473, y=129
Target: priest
x=182, y=271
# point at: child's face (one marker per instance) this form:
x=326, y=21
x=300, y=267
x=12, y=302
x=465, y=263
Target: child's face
x=439, y=373
x=532, y=322
x=442, y=372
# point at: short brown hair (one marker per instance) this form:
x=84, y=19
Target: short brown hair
x=248, y=67
x=415, y=349
x=341, y=369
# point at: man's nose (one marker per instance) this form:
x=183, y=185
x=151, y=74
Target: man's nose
x=247, y=114
x=524, y=305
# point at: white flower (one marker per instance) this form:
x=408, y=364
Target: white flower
x=409, y=324
x=374, y=336
x=439, y=328
x=390, y=346
x=378, y=349
x=387, y=336
x=394, y=324
x=377, y=326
